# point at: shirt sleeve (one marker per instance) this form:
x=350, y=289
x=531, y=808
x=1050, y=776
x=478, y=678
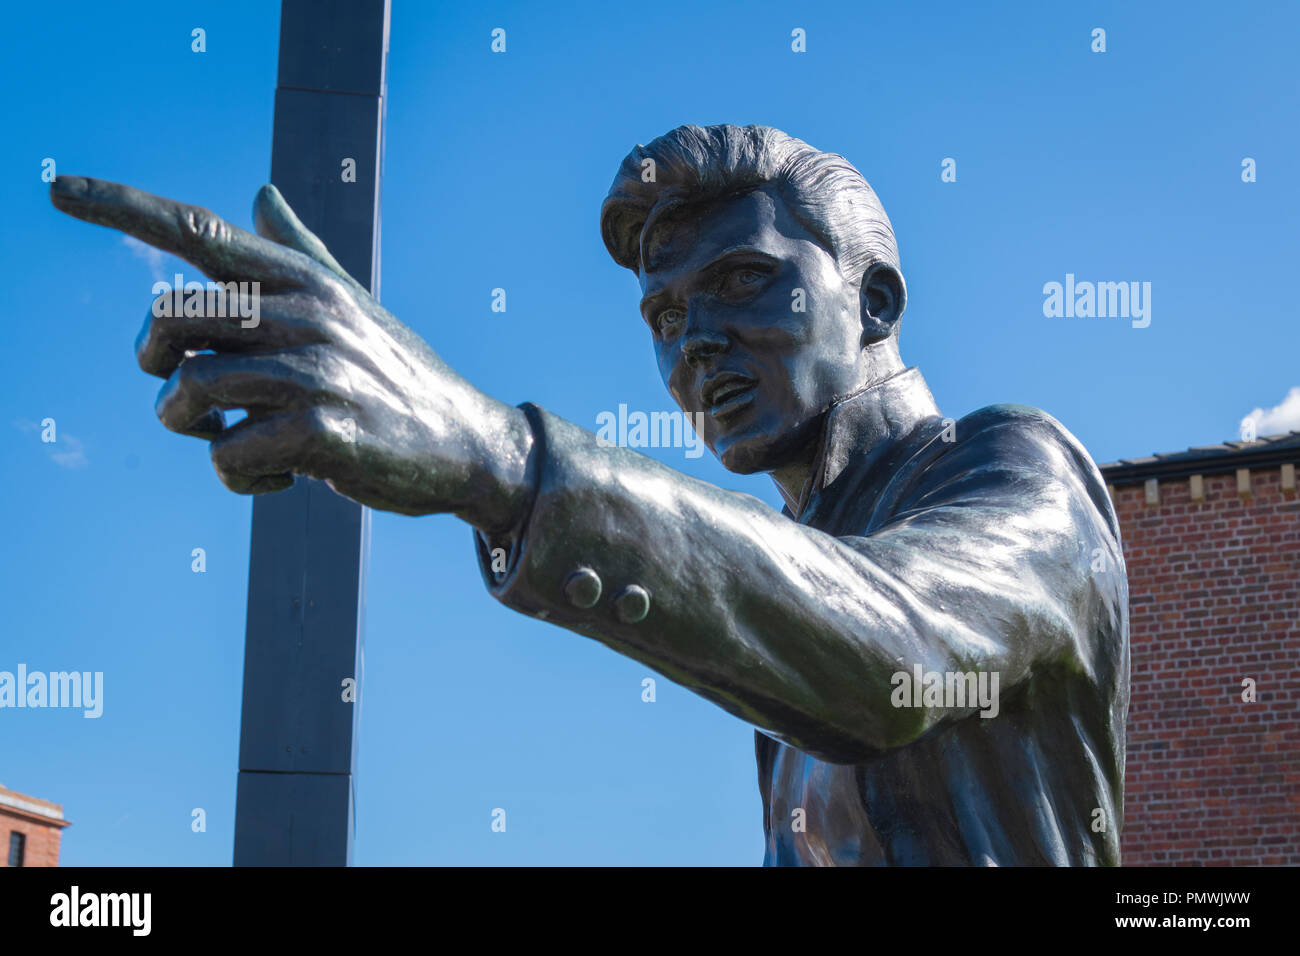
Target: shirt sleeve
x=995, y=553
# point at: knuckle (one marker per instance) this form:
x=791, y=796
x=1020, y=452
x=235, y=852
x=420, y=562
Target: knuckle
x=179, y=400
x=330, y=287
x=203, y=225
x=240, y=484
x=144, y=345
x=170, y=398
x=232, y=480
x=152, y=342
x=237, y=471
x=226, y=455
x=334, y=285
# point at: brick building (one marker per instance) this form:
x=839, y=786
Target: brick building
x=30, y=830
x=1212, y=543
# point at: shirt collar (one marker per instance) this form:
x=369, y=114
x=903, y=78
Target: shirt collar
x=864, y=426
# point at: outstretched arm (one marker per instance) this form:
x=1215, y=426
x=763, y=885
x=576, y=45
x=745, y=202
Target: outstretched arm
x=983, y=565
x=986, y=564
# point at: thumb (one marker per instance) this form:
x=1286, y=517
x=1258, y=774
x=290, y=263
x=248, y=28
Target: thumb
x=275, y=220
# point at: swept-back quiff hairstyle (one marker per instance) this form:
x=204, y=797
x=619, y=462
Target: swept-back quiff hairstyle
x=694, y=164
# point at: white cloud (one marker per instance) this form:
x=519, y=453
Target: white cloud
x=1283, y=417
x=154, y=257
x=66, y=451
x=72, y=454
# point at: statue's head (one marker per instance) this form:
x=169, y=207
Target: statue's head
x=770, y=282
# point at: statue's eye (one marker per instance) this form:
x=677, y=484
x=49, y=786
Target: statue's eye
x=669, y=321
x=741, y=281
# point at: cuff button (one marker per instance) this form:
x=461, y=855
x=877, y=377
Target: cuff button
x=582, y=588
x=632, y=604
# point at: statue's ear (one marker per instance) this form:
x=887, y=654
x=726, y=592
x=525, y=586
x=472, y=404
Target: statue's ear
x=883, y=297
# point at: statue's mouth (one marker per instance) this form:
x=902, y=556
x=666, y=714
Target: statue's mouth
x=726, y=393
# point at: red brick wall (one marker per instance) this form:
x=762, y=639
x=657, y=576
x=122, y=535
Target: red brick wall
x=1214, y=597
x=42, y=839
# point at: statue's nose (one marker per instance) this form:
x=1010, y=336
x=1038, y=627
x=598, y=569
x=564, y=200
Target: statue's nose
x=699, y=345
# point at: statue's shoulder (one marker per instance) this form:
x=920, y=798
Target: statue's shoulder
x=1006, y=442
x=1026, y=444
x=1011, y=416
x=1007, y=425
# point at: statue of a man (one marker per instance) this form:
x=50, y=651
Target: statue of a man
x=932, y=637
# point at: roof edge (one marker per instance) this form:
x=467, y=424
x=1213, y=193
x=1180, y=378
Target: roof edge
x=1269, y=452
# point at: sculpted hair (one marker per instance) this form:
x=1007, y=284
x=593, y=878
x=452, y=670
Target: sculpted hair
x=694, y=164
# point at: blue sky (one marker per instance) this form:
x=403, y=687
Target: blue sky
x=1116, y=166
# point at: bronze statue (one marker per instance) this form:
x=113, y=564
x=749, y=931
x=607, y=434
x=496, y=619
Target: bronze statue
x=932, y=636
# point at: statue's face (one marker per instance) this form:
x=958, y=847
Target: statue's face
x=753, y=326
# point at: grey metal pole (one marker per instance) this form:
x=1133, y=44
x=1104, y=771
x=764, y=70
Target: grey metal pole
x=306, y=578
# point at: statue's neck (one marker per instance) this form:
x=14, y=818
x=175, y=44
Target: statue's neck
x=881, y=363
x=793, y=482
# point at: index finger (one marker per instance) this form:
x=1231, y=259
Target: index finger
x=223, y=251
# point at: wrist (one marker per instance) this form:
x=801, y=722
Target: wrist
x=501, y=493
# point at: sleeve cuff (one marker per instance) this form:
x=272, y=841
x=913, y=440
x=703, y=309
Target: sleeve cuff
x=499, y=554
